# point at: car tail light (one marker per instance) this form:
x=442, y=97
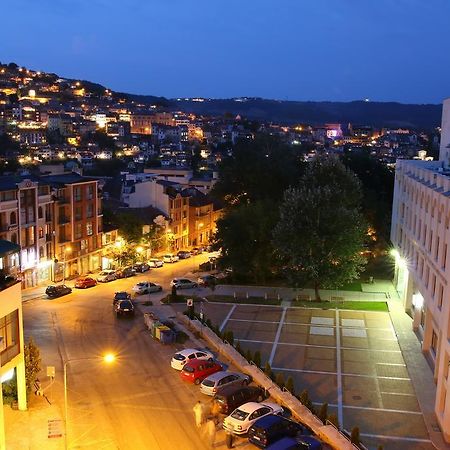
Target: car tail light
x=214, y=390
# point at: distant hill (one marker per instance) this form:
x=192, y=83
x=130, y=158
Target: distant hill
x=377, y=114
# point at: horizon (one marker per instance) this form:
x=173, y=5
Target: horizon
x=297, y=52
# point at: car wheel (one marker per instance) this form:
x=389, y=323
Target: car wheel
x=197, y=381
x=160, y=289
x=245, y=382
x=210, y=359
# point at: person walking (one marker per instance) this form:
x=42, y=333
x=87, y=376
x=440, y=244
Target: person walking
x=199, y=412
x=215, y=411
x=211, y=432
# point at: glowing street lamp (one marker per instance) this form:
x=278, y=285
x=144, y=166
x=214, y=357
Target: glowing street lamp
x=108, y=358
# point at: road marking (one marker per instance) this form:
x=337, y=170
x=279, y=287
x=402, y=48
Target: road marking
x=227, y=318
x=368, y=408
x=277, y=336
x=339, y=371
x=397, y=438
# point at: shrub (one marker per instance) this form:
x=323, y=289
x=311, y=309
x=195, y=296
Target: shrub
x=279, y=379
x=257, y=358
x=230, y=338
x=248, y=355
x=238, y=347
x=355, y=436
x=323, y=412
x=268, y=370
x=290, y=385
x=305, y=400
x=32, y=363
x=332, y=418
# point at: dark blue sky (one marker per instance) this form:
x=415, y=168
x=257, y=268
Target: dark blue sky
x=286, y=49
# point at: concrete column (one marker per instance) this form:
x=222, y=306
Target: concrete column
x=416, y=318
x=2, y=422
x=21, y=386
x=408, y=291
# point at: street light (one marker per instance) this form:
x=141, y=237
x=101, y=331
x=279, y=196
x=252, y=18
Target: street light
x=66, y=250
x=108, y=358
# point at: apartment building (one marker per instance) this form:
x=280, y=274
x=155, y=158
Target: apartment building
x=421, y=236
x=12, y=362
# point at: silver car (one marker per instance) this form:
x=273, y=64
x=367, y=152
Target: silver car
x=210, y=385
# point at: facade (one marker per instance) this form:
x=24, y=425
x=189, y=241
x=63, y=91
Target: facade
x=421, y=236
x=12, y=360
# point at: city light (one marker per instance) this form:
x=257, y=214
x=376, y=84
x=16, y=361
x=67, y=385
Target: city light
x=109, y=358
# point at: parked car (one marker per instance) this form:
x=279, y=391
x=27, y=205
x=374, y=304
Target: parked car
x=229, y=398
x=84, y=282
x=207, y=280
x=121, y=295
x=106, y=275
x=182, y=357
x=155, y=263
x=242, y=418
x=183, y=283
x=271, y=428
x=197, y=370
x=146, y=287
x=124, y=308
x=58, y=290
x=297, y=443
x=141, y=267
x=184, y=254
x=210, y=385
x=170, y=258
x=125, y=272
x=197, y=250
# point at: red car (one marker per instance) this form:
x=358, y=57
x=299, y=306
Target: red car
x=196, y=370
x=85, y=282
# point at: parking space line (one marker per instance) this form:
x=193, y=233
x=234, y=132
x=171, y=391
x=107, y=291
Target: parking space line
x=277, y=336
x=253, y=321
x=227, y=318
x=368, y=408
x=397, y=438
x=339, y=370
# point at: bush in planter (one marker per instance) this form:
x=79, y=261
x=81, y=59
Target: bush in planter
x=323, y=413
x=257, y=359
x=248, y=355
x=268, y=370
x=355, y=438
x=279, y=379
x=238, y=347
x=290, y=385
x=332, y=418
x=305, y=400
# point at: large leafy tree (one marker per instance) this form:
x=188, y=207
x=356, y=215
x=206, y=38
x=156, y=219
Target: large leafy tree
x=321, y=230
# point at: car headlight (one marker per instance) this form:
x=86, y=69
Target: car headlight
x=239, y=427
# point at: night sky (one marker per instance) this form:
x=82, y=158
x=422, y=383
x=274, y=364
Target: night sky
x=284, y=49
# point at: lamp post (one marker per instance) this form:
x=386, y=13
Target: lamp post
x=107, y=358
x=66, y=250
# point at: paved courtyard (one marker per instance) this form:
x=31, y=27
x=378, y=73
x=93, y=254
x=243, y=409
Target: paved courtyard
x=350, y=359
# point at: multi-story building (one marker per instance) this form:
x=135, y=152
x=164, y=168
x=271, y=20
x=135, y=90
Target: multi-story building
x=12, y=362
x=421, y=236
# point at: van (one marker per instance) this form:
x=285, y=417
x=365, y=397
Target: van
x=269, y=429
x=231, y=397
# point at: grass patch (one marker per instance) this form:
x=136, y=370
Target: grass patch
x=354, y=287
x=352, y=305
x=244, y=300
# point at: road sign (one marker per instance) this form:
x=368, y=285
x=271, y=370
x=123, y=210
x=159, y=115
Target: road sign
x=51, y=371
x=190, y=302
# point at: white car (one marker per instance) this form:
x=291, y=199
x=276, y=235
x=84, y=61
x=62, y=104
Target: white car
x=146, y=287
x=106, y=275
x=182, y=357
x=170, y=258
x=211, y=384
x=183, y=283
x=155, y=262
x=242, y=418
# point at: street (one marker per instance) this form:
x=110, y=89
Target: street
x=137, y=401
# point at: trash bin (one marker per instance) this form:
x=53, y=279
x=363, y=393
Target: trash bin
x=167, y=337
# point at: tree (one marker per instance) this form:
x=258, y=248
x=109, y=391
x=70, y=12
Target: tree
x=321, y=230
x=268, y=370
x=279, y=379
x=32, y=363
x=323, y=412
x=154, y=238
x=355, y=438
x=257, y=358
x=290, y=386
x=332, y=418
x=305, y=400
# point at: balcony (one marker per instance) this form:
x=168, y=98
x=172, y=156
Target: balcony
x=8, y=204
x=63, y=220
x=63, y=239
x=61, y=200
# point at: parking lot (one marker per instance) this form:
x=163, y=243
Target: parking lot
x=349, y=359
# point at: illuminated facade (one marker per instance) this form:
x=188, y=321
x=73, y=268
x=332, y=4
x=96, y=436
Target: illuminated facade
x=421, y=236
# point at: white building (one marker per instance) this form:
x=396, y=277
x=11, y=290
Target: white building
x=421, y=236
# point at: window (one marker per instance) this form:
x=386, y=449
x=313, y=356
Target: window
x=90, y=192
x=13, y=218
x=78, y=213
x=434, y=342
x=78, y=230
x=90, y=210
x=9, y=337
x=40, y=212
x=89, y=230
x=77, y=193
x=8, y=195
x=41, y=232
x=441, y=296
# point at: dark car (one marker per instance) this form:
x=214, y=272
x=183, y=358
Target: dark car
x=184, y=254
x=197, y=250
x=124, y=308
x=125, y=272
x=141, y=267
x=271, y=428
x=58, y=290
x=119, y=296
x=230, y=398
x=207, y=280
x=297, y=443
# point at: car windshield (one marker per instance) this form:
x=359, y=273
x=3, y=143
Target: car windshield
x=208, y=383
x=239, y=414
x=126, y=304
x=141, y=284
x=103, y=273
x=188, y=369
x=179, y=357
x=121, y=295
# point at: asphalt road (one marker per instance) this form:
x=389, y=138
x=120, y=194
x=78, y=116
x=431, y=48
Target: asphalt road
x=136, y=402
